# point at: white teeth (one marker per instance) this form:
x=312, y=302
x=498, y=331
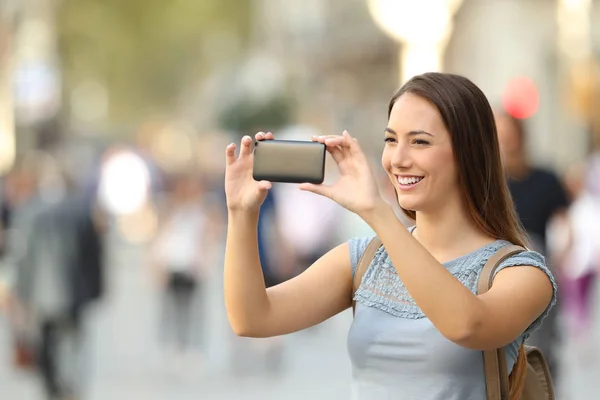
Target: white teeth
x=409, y=181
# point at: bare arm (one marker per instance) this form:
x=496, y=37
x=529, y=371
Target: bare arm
x=317, y=294
x=517, y=298
x=519, y=295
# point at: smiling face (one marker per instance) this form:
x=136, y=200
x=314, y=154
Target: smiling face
x=443, y=158
x=418, y=156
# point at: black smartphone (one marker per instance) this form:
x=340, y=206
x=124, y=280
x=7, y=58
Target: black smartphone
x=289, y=161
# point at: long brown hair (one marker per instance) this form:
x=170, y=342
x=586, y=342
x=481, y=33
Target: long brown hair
x=469, y=119
x=516, y=380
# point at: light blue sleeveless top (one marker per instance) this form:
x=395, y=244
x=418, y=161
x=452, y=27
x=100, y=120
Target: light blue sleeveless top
x=395, y=350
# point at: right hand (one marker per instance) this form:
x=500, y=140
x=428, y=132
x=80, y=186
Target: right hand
x=242, y=191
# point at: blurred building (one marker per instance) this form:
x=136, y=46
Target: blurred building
x=341, y=67
x=35, y=82
x=8, y=10
x=496, y=41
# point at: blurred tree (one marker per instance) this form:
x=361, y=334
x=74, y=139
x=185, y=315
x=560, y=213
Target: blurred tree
x=145, y=52
x=245, y=117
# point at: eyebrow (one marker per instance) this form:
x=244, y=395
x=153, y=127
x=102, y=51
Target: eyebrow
x=411, y=133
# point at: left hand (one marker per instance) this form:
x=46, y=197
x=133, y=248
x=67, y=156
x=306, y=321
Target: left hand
x=356, y=189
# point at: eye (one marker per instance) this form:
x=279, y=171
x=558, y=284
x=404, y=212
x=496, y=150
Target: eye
x=420, y=142
x=389, y=139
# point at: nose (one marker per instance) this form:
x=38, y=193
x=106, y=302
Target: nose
x=401, y=158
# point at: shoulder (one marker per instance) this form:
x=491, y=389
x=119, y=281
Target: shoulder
x=547, y=177
x=543, y=173
x=525, y=258
x=531, y=267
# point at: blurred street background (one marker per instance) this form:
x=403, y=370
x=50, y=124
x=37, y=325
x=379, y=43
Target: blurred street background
x=114, y=117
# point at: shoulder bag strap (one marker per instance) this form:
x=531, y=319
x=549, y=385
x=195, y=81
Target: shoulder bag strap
x=363, y=264
x=494, y=361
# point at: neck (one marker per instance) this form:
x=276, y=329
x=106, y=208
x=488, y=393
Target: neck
x=518, y=168
x=449, y=227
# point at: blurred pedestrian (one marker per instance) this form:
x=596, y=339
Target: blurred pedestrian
x=183, y=256
x=539, y=197
x=57, y=251
x=537, y=192
x=576, y=240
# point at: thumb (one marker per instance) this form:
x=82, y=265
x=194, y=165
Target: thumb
x=323, y=190
x=263, y=186
x=262, y=189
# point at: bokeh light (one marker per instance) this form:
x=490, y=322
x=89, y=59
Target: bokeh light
x=520, y=97
x=124, y=184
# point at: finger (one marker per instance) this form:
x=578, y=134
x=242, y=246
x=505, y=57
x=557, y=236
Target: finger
x=260, y=136
x=325, y=138
x=334, y=141
x=351, y=143
x=230, y=154
x=264, y=136
x=345, y=140
x=336, y=153
x=339, y=143
x=246, y=147
x=323, y=190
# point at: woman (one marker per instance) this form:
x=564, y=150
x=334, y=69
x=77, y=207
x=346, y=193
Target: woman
x=419, y=328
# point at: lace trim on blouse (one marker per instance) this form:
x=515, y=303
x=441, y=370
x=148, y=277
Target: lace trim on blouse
x=382, y=288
